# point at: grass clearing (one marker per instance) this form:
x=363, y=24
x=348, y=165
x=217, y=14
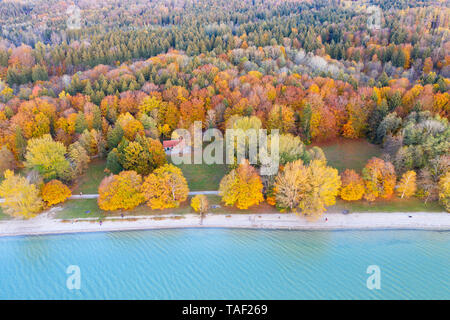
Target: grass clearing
x=90, y=180
x=200, y=177
x=88, y=208
x=216, y=200
x=391, y=205
x=3, y=216
x=341, y=154
x=203, y=177
x=345, y=153
x=82, y=208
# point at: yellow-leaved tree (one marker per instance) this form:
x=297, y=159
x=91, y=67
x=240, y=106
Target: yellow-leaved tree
x=143, y=155
x=407, y=186
x=200, y=204
x=444, y=190
x=55, y=192
x=165, y=188
x=352, y=186
x=288, y=185
x=281, y=118
x=47, y=157
x=242, y=187
x=122, y=191
x=308, y=188
x=322, y=188
x=21, y=199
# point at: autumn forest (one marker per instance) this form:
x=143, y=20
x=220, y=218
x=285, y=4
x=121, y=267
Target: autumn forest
x=90, y=92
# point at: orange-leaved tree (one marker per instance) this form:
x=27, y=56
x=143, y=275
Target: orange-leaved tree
x=165, y=188
x=122, y=191
x=352, y=185
x=55, y=192
x=131, y=127
x=242, y=187
x=379, y=179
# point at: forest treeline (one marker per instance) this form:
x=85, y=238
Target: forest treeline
x=410, y=40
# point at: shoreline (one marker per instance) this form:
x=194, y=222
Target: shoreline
x=46, y=225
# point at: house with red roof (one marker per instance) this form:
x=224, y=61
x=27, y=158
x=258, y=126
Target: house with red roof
x=179, y=143
x=170, y=144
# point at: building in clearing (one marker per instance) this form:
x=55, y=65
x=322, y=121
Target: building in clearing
x=169, y=145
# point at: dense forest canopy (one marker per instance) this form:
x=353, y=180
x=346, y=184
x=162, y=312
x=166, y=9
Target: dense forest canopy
x=113, y=32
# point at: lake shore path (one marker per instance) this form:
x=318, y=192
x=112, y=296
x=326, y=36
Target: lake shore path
x=46, y=224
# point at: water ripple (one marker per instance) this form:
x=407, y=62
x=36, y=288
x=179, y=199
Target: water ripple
x=227, y=264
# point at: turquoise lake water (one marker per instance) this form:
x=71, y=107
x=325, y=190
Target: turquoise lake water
x=227, y=264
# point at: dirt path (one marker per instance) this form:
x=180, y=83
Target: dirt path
x=46, y=224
